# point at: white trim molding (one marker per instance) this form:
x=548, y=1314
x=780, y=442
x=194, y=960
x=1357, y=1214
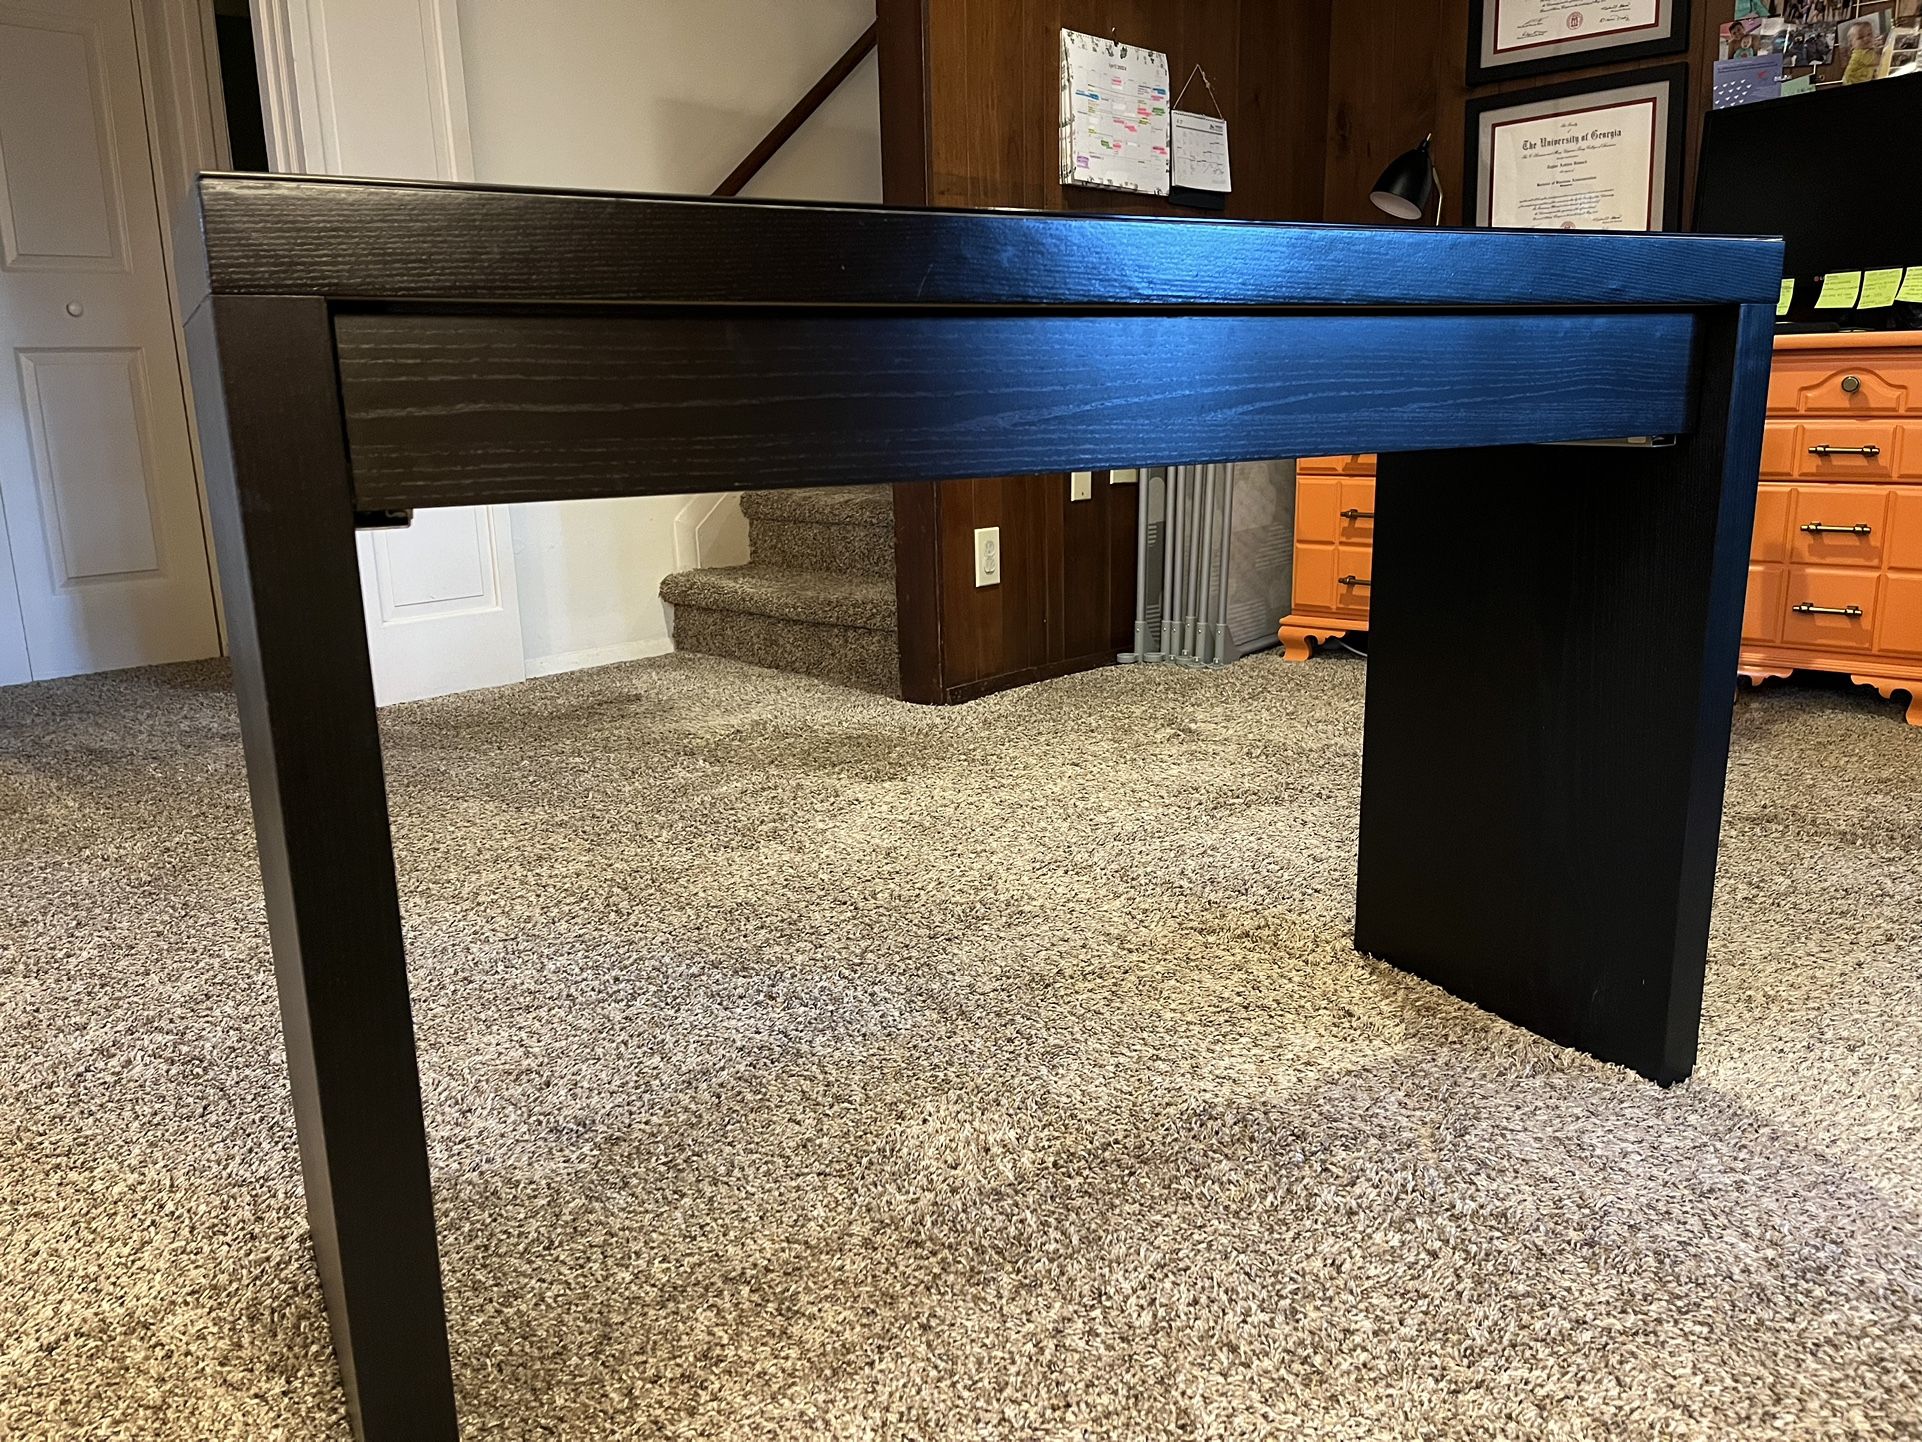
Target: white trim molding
x=311, y=124
x=709, y=530
x=599, y=656
x=377, y=87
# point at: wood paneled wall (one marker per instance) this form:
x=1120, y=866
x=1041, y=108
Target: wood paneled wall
x=1398, y=69
x=970, y=100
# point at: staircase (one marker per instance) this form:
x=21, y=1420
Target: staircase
x=817, y=593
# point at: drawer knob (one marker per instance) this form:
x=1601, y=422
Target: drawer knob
x=1351, y=514
x=1353, y=581
x=1816, y=528
x=1851, y=384
x=1870, y=451
x=1809, y=608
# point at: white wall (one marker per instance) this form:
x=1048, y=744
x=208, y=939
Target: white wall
x=664, y=96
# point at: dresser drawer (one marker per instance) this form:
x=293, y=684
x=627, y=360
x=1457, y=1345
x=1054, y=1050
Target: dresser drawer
x=1333, y=579
x=1833, y=594
x=1354, y=571
x=1355, y=465
x=1846, y=451
x=1356, y=517
x=1772, y=506
x=1779, y=440
x=1317, y=509
x=1899, y=632
x=1839, y=385
x=1905, y=529
x=1839, y=525
x=1762, y=611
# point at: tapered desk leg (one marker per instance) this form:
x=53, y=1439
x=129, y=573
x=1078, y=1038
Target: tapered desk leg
x=1552, y=651
x=277, y=485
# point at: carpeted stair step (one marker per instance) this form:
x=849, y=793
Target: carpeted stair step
x=833, y=625
x=826, y=505
x=822, y=546
x=826, y=528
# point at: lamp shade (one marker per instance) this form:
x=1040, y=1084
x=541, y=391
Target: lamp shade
x=1407, y=185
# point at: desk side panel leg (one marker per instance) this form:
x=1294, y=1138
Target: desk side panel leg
x=1547, y=728
x=279, y=492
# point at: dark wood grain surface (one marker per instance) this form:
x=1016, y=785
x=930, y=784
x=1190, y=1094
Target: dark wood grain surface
x=1547, y=731
x=283, y=517
x=456, y=410
x=414, y=241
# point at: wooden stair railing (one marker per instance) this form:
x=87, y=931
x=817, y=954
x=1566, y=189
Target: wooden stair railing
x=798, y=116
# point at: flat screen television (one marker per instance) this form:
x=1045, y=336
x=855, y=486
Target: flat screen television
x=1837, y=173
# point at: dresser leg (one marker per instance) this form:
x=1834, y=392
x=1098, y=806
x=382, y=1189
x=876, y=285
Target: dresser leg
x=1298, y=642
x=1540, y=811
x=1886, y=688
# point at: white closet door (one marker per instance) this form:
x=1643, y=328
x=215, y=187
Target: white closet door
x=102, y=515
x=14, y=666
x=374, y=87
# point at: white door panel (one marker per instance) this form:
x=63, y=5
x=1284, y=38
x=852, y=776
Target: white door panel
x=442, y=611
x=375, y=87
x=14, y=667
x=104, y=543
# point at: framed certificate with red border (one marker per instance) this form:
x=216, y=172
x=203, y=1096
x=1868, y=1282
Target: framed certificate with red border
x=1598, y=154
x=1507, y=38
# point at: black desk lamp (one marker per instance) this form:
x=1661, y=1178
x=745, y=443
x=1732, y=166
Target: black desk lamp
x=1408, y=184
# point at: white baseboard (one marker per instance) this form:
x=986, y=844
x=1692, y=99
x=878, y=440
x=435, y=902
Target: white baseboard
x=598, y=656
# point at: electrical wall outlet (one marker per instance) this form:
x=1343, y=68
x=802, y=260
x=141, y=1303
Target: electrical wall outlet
x=1081, y=486
x=987, y=556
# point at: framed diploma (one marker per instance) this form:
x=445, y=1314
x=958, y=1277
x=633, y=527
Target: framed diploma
x=1597, y=154
x=1507, y=38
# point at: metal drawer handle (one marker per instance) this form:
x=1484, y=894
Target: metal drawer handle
x=1354, y=581
x=1851, y=384
x=1351, y=514
x=1808, y=608
x=1816, y=528
x=1870, y=451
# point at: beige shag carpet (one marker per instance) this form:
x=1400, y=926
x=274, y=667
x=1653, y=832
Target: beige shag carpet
x=804, y=1065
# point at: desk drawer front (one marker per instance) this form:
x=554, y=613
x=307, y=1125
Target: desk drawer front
x=461, y=410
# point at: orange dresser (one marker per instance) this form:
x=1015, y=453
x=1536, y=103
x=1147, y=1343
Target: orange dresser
x=1835, y=571
x=1334, y=551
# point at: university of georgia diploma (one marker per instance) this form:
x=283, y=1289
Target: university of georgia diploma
x=1592, y=166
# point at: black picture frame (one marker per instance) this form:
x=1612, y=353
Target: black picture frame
x=1673, y=76
x=1481, y=13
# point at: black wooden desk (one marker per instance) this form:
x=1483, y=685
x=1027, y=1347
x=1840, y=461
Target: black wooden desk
x=1539, y=807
